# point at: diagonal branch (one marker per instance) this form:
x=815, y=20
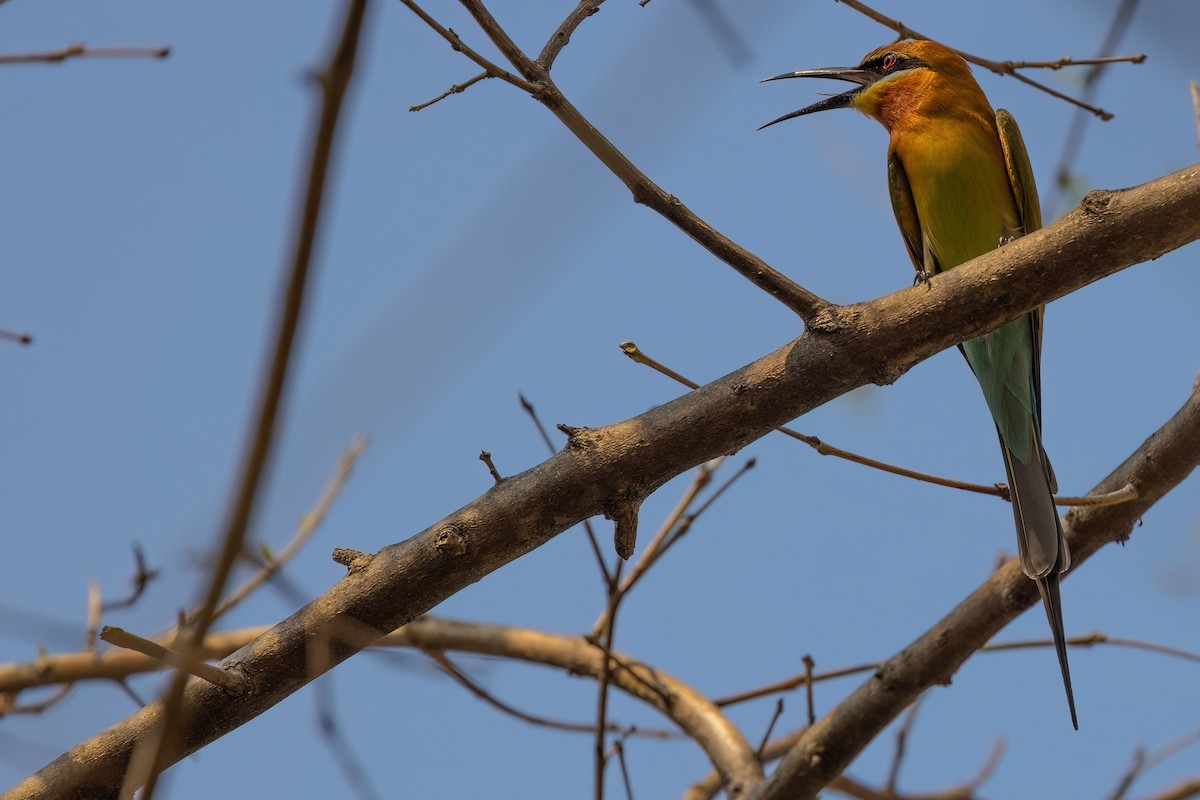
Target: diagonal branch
x=537, y=81
x=866, y=342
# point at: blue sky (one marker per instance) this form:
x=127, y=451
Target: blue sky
x=475, y=250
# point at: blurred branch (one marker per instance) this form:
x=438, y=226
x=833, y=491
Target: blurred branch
x=1073, y=141
x=142, y=577
x=1195, y=87
x=343, y=752
x=17, y=337
x=333, y=82
x=83, y=51
x=1002, y=67
x=1144, y=761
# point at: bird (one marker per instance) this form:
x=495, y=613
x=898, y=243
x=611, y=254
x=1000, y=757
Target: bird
x=961, y=184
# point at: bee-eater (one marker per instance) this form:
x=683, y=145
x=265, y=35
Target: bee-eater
x=961, y=185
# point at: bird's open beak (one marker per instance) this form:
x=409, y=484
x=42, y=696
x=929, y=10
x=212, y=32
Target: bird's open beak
x=863, y=77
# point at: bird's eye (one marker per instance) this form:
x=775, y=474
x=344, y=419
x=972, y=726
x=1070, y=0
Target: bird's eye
x=889, y=61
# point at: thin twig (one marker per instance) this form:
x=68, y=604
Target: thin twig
x=770, y=728
x=1073, y=141
x=457, y=44
x=606, y=642
x=809, y=665
x=1067, y=61
x=988, y=767
x=83, y=51
x=17, y=337
x=333, y=82
x=142, y=577
x=619, y=747
x=1143, y=761
x=474, y=687
x=686, y=523
x=40, y=706
x=455, y=89
x=93, y=617
x=902, y=732
x=229, y=681
x=1125, y=494
x=1195, y=87
x=1087, y=640
x=486, y=458
x=701, y=478
x=1095, y=638
x=998, y=67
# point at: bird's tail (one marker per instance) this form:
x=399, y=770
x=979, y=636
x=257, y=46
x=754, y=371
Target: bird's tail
x=1040, y=542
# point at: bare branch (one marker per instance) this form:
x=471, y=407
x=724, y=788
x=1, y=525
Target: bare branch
x=1143, y=761
x=229, y=681
x=1195, y=87
x=456, y=44
x=16, y=337
x=473, y=686
x=504, y=43
x=999, y=67
x=1067, y=61
x=455, y=89
x=142, y=577
x=811, y=308
x=83, y=51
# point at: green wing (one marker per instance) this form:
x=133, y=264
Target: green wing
x=905, y=209
x=1020, y=172
x=1029, y=209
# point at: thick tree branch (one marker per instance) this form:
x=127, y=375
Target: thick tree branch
x=854, y=345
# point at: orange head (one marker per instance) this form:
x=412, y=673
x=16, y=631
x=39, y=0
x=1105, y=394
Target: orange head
x=900, y=82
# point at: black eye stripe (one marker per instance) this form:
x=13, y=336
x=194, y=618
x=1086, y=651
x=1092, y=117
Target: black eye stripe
x=893, y=62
